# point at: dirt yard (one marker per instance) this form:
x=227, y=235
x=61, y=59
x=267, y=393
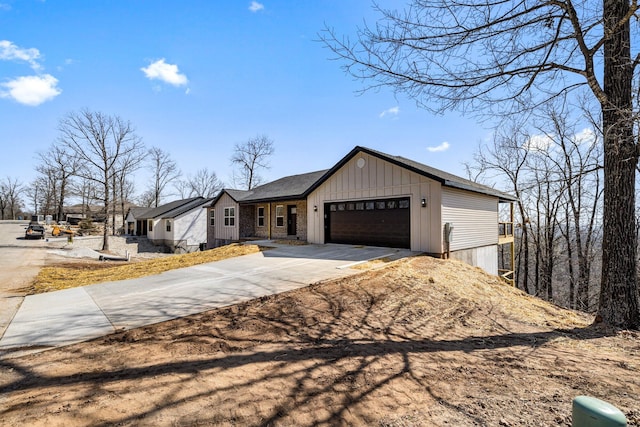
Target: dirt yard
x=417, y=342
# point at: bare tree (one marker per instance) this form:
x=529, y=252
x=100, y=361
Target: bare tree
x=203, y=183
x=99, y=142
x=164, y=170
x=122, y=184
x=147, y=199
x=250, y=157
x=507, y=156
x=46, y=185
x=10, y=192
x=515, y=56
x=60, y=165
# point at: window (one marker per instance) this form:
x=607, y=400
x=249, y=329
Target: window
x=403, y=204
x=212, y=217
x=279, y=216
x=229, y=217
x=150, y=225
x=380, y=205
x=168, y=224
x=392, y=204
x=369, y=206
x=260, y=216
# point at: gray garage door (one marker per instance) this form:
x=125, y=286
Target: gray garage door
x=383, y=222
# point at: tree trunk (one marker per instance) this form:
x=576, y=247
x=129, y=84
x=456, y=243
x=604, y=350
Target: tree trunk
x=619, y=293
x=107, y=201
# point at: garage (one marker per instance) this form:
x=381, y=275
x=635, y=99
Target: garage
x=380, y=222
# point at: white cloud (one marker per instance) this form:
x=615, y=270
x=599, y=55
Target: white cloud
x=5, y=6
x=11, y=52
x=394, y=111
x=31, y=90
x=167, y=73
x=585, y=136
x=255, y=6
x=442, y=147
x=538, y=142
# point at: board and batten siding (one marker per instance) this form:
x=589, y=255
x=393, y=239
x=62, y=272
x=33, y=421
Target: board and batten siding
x=223, y=232
x=474, y=218
x=365, y=177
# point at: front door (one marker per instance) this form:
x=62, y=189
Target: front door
x=292, y=220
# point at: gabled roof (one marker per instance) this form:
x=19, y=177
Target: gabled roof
x=197, y=203
x=173, y=209
x=445, y=178
x=138, y=212
x=287, y=188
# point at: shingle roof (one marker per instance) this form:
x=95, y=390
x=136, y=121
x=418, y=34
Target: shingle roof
x=300, y=186
x=445, y=178
x=198, y=202
x=173, y=209
x=287, y=188
x=138, y=212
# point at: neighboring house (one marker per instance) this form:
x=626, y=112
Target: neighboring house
x=371, y=198
x=180, y=225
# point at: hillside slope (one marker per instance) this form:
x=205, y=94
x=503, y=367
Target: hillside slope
x=418, y=342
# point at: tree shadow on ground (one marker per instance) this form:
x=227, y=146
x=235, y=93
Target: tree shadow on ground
x=342, y=348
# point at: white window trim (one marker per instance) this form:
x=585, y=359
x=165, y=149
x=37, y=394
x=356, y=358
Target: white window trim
x=167, y=225
x=212, y=218
x=150, y=226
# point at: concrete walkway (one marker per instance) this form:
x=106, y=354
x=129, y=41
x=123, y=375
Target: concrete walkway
x=73, y=315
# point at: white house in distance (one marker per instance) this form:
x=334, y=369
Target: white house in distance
x=371, y=198
x=180, y=225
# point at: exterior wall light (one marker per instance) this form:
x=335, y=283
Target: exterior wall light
x=315, y=208
x=423, y=202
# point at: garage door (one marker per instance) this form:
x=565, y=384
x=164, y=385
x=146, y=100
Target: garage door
x=383, y=222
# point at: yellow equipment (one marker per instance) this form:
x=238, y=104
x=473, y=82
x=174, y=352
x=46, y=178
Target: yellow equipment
x=57, y=231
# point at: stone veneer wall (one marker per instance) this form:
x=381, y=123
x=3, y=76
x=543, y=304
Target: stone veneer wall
x=281, y=232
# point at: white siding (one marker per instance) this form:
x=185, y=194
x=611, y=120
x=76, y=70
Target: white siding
x=474, y=217
x=379, y=179
x=190, y=227
x=155, y=234
x=223, y=232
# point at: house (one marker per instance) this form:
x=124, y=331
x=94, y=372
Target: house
x=180, y=225
x=371, y=198
x=277, y=210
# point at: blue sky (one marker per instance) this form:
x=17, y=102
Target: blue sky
x=196, y=77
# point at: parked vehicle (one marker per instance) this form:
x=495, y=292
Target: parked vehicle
x=34, y=231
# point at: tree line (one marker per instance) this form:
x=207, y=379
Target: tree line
x=554, y=168
x=93, y=160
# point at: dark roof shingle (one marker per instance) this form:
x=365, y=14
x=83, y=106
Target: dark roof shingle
x=173, y=209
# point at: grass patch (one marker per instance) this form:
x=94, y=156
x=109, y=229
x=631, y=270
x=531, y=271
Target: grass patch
x=376, y=263
x=57, y=278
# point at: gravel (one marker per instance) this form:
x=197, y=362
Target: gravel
x=88, y=247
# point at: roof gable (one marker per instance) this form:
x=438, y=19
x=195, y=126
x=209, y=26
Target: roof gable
x=445, y=178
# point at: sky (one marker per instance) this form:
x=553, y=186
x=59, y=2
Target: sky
x=195, y=78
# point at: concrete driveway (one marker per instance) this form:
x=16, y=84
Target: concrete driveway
x=73, y=315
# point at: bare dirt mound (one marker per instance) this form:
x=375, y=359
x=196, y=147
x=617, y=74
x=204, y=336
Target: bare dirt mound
x=420, y=342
